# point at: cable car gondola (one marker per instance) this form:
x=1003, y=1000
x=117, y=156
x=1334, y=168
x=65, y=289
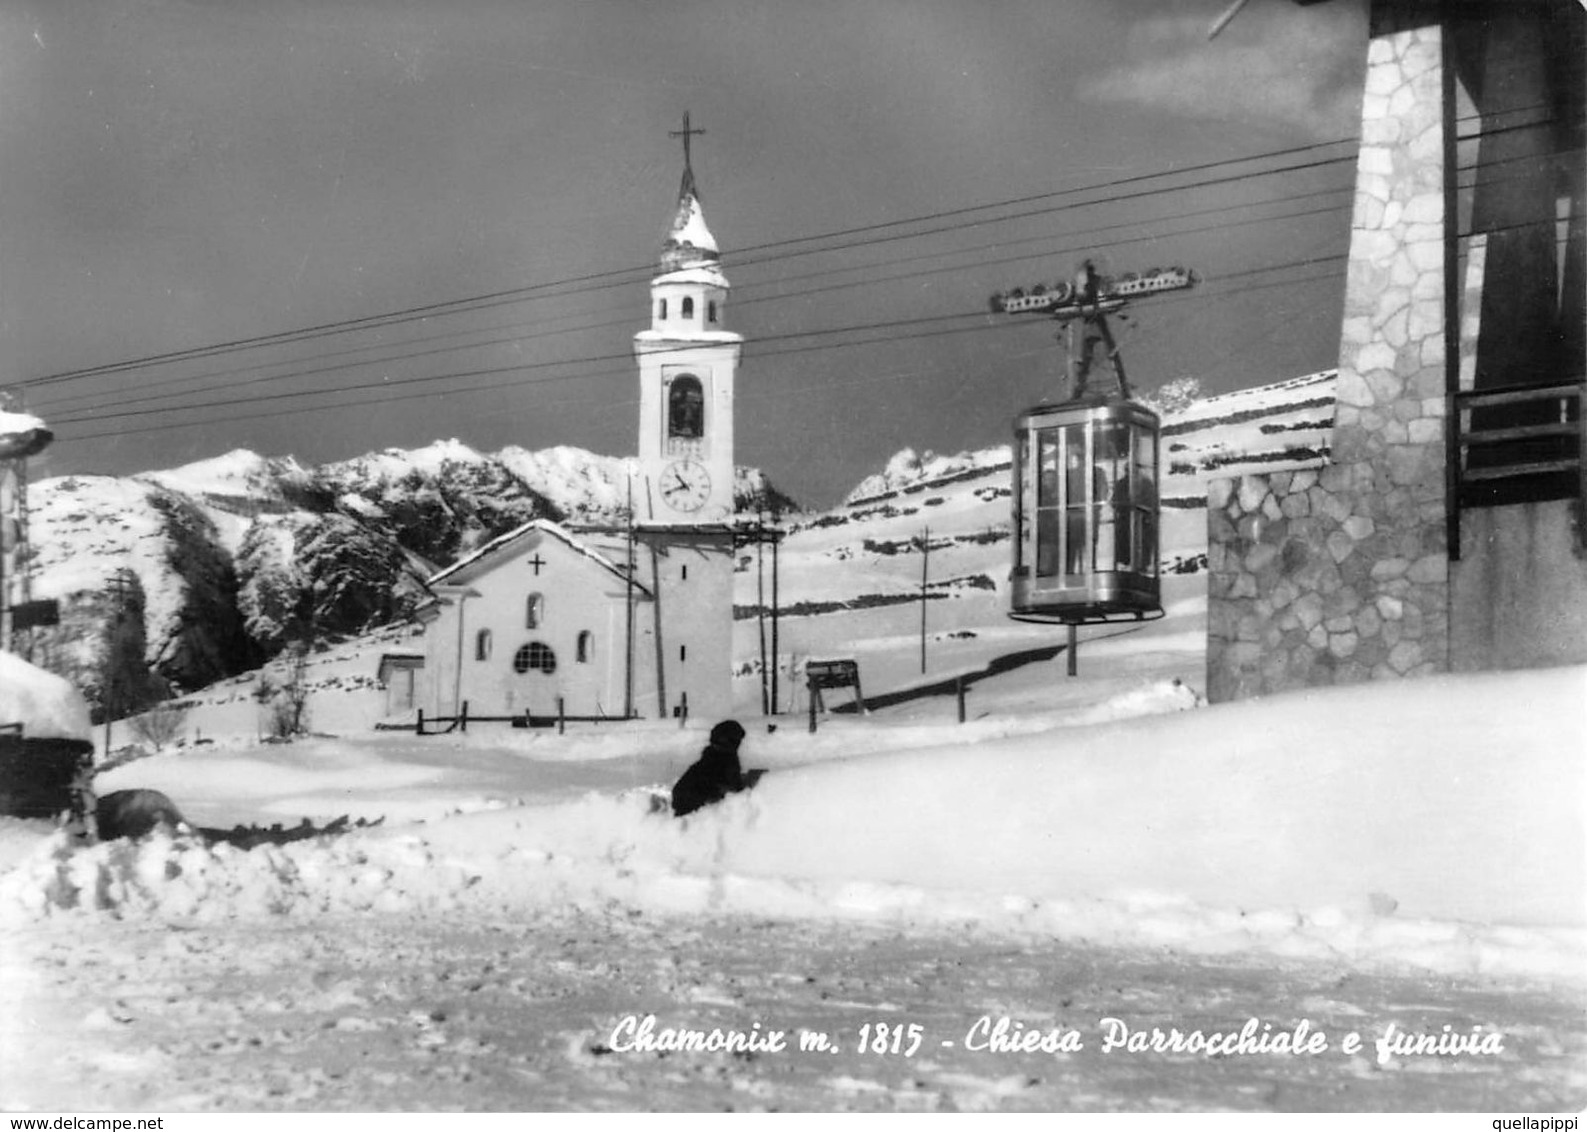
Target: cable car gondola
x=1086, y=471
x=1085, y=512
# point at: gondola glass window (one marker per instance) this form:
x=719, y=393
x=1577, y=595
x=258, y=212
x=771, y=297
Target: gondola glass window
x=685, y=408
x=1085, y=511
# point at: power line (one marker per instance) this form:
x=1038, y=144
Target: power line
x=984, y=325
x=616, y=276
x=1151, y=235
x=830, y=271
x=998, y=327
x=90, y=417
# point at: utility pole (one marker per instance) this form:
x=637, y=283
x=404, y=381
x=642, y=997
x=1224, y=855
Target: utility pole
x=925, y=559
x=120, y=586
x=760, y=604
x=776, y=648
x=628, y=612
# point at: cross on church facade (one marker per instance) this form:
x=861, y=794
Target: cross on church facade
x=537, y=562
x=685, y=134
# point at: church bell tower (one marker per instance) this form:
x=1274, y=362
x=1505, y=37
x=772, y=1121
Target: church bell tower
x=683, y=495
x=687, y=363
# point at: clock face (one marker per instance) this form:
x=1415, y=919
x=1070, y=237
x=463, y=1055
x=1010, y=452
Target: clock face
x=685, y=485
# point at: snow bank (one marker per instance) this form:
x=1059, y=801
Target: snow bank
x=47, y=706
x=1437, y=823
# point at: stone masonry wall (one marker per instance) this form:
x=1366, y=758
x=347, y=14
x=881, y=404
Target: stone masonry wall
x=1340, y=573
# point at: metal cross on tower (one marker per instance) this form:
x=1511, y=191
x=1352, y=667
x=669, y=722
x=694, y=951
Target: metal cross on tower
x=1083, y=306
x=685, y=134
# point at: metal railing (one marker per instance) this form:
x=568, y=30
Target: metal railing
x=1533, y=456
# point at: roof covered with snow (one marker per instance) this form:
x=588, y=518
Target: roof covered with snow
x=22, y=434
x=484, y=556
x=689, y=242
x=46, y=705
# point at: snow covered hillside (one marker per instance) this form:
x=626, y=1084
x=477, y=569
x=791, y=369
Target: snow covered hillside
x=942, y=524
x=236, y=554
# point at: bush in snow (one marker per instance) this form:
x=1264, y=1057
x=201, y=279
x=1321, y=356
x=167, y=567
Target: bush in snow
x=160, y=724
x=286, y=696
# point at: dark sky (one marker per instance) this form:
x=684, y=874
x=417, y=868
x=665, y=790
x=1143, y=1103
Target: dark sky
x=180, y=174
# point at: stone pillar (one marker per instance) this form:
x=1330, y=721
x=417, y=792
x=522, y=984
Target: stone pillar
x=1341, y=574
x=1388, y=442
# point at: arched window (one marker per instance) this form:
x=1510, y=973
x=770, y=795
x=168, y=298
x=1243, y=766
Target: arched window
x=661, y=309
x=686, y=408
x=586, y=647
x=534, y=610
x=482, y=645
x=535, y=655
x=688, y=307
x=710, y=311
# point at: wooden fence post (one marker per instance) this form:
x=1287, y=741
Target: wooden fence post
x=561, y=717
x=419, y=728
x=462, y=720
x=958, y=687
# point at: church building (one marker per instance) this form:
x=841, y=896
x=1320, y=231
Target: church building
x=613, y=622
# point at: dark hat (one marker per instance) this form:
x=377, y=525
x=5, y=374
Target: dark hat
x=727, y=734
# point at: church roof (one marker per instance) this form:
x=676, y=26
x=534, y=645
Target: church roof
x=501, y=543
x=689, y=242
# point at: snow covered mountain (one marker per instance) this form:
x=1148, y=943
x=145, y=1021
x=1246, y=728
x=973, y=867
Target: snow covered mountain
x=238, y=554
x=233, y=556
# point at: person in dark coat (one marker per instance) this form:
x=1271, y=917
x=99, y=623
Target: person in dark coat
x=715, y=774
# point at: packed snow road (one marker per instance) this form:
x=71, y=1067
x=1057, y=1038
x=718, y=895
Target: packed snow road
x=553, y=1012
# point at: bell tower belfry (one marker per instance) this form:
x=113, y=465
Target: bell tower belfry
x=687, y=363
x=684, y=490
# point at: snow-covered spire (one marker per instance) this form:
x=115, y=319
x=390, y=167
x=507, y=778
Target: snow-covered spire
x=689, y=242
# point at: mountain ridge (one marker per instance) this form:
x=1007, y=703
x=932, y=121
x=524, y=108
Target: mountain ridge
x=240, y=554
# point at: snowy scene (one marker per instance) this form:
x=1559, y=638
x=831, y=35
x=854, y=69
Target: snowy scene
x=1297, y=864
x=482, y=631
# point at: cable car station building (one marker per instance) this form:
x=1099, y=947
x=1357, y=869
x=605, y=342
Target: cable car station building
x=1444, y=531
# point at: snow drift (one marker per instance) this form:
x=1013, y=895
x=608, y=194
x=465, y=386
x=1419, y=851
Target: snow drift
x=1436, y=822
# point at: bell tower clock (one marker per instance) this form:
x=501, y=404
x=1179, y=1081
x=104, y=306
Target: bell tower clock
x=683, y=496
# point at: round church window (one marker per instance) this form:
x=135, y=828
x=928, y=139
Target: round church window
x=535, y=655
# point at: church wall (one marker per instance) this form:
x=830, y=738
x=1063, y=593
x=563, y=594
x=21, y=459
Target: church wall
x=577, y=596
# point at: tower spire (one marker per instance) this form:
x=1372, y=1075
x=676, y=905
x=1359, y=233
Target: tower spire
x=689, y=242
x=688, y=165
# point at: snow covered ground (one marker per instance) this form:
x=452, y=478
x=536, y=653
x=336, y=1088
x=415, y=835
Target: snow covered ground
x=1409, y=855
x=1392, y=861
